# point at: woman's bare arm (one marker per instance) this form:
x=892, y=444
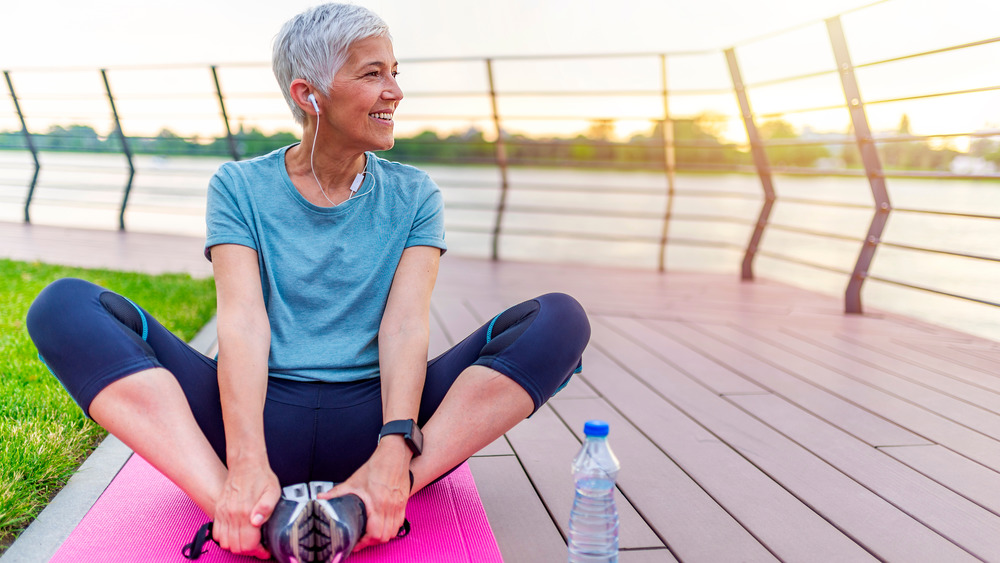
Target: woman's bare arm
x=405, y=333
x=251, y=490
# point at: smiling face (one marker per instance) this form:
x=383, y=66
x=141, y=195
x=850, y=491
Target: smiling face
x=363, y=97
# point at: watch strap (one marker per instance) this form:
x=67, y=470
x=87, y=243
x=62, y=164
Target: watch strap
x=408, y=429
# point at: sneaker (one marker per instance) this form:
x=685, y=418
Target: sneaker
x=290, y=521
x=341, y=521
x=305, y=529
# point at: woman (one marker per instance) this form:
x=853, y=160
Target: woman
x=325, y=257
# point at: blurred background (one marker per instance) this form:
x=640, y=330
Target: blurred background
x=608, y=133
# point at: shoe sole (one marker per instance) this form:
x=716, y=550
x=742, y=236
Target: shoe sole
x=314, y=532
x=310, y=536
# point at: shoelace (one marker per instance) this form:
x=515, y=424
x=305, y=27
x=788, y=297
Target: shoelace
x=194, y=549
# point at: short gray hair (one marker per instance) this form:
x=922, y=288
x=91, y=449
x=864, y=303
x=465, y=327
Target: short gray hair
x=314, y=45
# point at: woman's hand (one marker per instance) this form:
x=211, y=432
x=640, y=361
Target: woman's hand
x=383, y=483
x=248, y=497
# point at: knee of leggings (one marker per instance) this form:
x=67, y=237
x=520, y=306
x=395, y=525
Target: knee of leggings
x=569, y=314
x=58, y=311
x=50, y=304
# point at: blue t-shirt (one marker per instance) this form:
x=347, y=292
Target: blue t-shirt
x=325, y=271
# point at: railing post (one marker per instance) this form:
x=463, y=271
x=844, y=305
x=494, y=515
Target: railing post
x=669, y=163
x=125, y=149
x=501, y=156
x=760, y=161
x=225, y=117
x=870, y=159
x=31, y=147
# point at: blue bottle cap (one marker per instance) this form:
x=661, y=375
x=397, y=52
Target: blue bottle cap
x=596, y=428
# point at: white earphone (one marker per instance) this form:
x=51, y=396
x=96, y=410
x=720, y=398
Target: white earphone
x=312, y=98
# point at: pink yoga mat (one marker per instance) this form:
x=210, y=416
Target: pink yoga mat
x=143, y=517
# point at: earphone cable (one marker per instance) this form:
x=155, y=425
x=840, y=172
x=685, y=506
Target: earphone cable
x=312, y=152
x=312, y=168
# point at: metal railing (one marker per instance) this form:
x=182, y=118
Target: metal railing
x=497, y=108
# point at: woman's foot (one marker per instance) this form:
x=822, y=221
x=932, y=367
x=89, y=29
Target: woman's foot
x=304, y=529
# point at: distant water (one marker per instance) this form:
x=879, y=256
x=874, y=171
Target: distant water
x=168, y=196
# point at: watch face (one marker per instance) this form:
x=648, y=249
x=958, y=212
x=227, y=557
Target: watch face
x=417, y=439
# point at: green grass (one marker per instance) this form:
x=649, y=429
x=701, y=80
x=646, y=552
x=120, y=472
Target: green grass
x=44, y=436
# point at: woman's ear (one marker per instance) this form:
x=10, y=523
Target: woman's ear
x=303, y=96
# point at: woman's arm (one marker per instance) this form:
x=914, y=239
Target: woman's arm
x=404, y=333
x=251, y=489
x=383, y=483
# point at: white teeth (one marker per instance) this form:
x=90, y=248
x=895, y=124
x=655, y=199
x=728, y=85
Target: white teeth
x=385, y=116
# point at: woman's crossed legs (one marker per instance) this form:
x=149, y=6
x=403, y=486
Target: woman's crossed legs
x=161, y=397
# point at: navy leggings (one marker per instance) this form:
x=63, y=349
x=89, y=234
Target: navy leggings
x=90, y=337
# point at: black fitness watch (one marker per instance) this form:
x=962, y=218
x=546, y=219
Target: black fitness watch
x=410, y=432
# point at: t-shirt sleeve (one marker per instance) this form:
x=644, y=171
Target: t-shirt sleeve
x=428, y=224
x=225, y=221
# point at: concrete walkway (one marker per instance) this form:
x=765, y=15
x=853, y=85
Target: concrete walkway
x=116, y=250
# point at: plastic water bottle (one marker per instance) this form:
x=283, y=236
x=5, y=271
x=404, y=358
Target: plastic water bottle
x=593, y=522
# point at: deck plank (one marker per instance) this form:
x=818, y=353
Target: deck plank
x=960, y=474
x=960, y=352
x=962, y=522
x=456, y=320
x=646, y=556
x=966, y=391
x=988, y=379
x=951, y=399
x=775, y=378
x=745, y=349
x=523, y=528
x=440, y=340
x=713, y=375
x=500, y=446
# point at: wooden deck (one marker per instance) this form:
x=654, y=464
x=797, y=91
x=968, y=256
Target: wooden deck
x=753, y=421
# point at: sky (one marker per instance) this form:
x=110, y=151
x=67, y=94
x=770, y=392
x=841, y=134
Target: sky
x=115, y=33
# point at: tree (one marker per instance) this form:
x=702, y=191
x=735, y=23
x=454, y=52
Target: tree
x=168, y=142
x=898, y=154
x=601, y=129
x=71, y=138
x=788, y=155
x=696, y=142
x=987, y=149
